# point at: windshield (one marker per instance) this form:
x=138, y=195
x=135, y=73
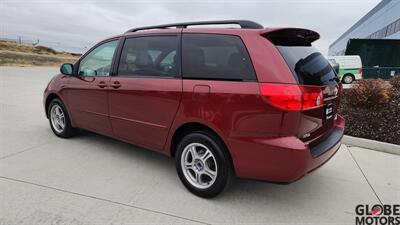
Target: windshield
x=308, y=65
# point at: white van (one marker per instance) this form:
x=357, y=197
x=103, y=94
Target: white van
x=350, y=67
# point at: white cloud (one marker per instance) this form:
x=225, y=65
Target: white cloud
x=76, y=24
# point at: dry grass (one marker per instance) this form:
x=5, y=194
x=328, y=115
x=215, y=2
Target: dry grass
x=14, y=54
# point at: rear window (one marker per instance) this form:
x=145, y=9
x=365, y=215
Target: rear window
x=215, y=57
x=308, y=65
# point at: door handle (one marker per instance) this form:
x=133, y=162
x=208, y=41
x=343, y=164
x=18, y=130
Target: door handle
x=116, y=84
x=102, y=84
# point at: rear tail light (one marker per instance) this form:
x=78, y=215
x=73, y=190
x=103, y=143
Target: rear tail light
x=361, y=72
x=293, y=96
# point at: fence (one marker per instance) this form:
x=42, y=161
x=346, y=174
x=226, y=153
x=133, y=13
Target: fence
x=59, y=46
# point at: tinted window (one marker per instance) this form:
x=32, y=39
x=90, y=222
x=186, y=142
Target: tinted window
x=219, y=57
x=309, y=66
x=148, y=56
x=98, y=61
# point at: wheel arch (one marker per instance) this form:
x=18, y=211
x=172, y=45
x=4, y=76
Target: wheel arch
x=49, y=98
x=349, y=74
x=190, y=127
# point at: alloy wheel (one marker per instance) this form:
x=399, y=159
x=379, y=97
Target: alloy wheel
x=199, y=165
x=57, y=118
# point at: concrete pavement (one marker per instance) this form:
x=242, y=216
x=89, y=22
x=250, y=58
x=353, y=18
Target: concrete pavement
x=91, y=179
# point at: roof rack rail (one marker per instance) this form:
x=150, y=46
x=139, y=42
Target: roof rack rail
x=244, y=24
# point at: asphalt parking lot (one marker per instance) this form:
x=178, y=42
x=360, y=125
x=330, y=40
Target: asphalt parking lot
x=91, y=179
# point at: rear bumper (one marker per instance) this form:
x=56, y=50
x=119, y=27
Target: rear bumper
x=283, y=159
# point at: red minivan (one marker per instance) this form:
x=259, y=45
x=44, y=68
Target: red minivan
x=249, y=102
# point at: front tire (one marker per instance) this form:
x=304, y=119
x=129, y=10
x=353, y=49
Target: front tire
x=203, y=164
x=59, y=119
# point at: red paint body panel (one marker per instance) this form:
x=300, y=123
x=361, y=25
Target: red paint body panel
x=88, y=103
x=143, y=109
x=265, y=142
x=280, y=159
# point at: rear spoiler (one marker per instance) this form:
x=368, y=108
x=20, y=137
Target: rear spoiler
x=290, y=36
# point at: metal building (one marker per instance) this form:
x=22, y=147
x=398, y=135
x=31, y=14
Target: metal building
x=382, y=22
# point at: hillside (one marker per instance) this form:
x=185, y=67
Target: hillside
x=14, y=54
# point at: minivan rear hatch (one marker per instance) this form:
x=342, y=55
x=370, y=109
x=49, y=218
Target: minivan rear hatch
x=311, y=70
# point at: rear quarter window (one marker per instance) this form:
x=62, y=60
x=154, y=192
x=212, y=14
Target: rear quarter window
x=215, y=57
x=308, y=65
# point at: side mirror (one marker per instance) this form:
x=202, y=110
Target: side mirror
x=67, y=69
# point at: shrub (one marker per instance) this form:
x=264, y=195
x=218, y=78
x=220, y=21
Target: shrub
x=366, y=113
x=395, y=90
x=44, y=50
x=395, y=82
x=368, y=93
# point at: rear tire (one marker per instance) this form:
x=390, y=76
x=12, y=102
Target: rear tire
x=59, y=119
x=203, y=164
x=348, y=79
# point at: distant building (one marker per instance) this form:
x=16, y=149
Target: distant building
x=382, y=22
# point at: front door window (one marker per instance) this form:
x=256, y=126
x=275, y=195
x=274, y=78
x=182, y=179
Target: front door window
x=98, y=62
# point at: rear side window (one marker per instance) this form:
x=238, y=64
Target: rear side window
x=149, y=56
x=215, y=57
x=308, y=65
